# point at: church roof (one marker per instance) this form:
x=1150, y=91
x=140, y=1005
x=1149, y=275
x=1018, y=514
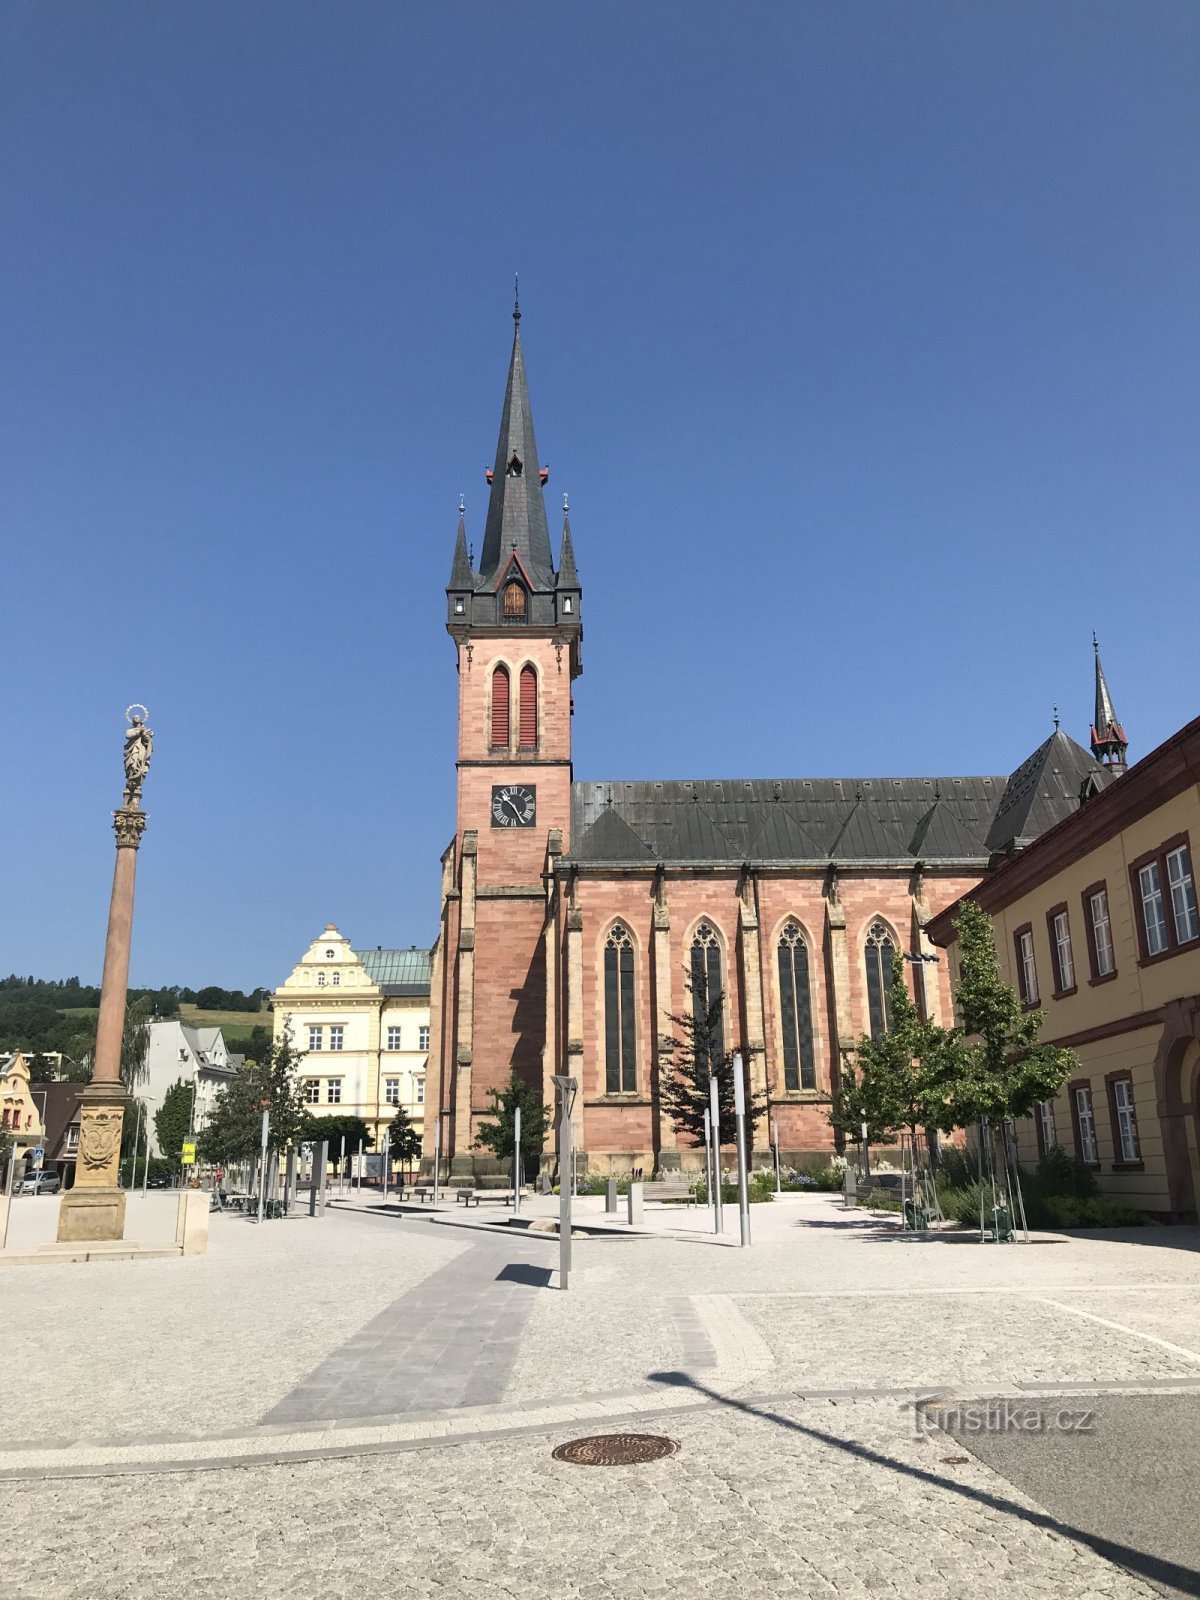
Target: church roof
x=516, y=518
x=1042, y=791
x=398, y=972
x=813, y=821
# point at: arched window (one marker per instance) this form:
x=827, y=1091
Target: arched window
x=528, y=723
x=880, y=955
x=708, y=1000
x=795, y=1010
x=514, y=602
x=620, y=1058
x=320, y=980
x=500, y=708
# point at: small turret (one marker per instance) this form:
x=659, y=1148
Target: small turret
x=1109, y=743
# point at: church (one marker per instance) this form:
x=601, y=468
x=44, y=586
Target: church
x=579, y=917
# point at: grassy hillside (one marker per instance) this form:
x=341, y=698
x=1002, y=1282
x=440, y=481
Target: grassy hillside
x=235, y=1025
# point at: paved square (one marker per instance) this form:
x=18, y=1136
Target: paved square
x=319, y=1402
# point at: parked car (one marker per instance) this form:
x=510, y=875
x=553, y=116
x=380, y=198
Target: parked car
x=40, y=1183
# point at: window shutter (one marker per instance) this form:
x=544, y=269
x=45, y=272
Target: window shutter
x=529, y=709
x=500, y=708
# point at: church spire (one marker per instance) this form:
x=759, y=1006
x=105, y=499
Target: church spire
x=1109, y=743
x=568, y=577
x=516, y=518
x=462, y=578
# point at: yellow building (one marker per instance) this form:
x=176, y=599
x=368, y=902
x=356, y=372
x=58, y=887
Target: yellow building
x=1096, y=924
x=20, y=1114
x=361, y=1017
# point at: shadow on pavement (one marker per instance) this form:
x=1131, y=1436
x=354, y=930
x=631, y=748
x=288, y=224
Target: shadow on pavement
x=1140, y=1562
x=526, y=1272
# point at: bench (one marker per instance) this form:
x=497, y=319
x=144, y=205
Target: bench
x=423, y=1192
x=670, y=1189
x=465, y=1196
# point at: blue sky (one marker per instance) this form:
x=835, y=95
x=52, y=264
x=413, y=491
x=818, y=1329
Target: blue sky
x=863, y=337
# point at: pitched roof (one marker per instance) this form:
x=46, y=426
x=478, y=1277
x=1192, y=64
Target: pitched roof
x=399, y=972
x=897, y=821
x=1042, y=791
x=516, y=510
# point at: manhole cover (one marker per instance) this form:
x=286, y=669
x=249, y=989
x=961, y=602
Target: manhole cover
x=616, y=1449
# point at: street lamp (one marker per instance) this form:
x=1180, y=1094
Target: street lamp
x=567, y=1089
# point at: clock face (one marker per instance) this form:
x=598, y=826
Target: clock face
x=514, y=805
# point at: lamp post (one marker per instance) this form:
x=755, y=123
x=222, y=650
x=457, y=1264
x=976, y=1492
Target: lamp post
x=517, y=1161
x=739, y=1108
x=567, y=1089
x=778, y=1181
x=715, y=1114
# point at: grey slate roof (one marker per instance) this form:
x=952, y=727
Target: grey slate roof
x=1043, y=790
x=398, y=972
x=516, y=509
x=815, y=821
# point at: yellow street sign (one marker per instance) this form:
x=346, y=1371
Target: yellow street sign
x=189, y=1155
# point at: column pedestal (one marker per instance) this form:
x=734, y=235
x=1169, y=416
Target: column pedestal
x=95, y=1207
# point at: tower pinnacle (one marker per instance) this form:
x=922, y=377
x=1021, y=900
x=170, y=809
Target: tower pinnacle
x=1109, y=743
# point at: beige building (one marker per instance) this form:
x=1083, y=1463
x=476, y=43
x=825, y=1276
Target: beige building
x=361, y=1017
x=1096, y=924
x=20, y=1112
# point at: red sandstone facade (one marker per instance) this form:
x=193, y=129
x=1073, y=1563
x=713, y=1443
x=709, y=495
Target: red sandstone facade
x=528, y=906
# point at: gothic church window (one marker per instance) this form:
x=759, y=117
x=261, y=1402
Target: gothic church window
x=795, y=1010
x=514, y=602
x=881, y=952
x=528, y=724
x=707, y=999
x=620, y=1057
x=500, y=708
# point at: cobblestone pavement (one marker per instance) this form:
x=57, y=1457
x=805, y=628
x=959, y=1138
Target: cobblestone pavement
x=394, y=1387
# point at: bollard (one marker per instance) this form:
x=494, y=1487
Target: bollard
x=636, y=1202
x=610, y=1196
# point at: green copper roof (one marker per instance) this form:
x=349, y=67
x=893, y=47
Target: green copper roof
x=403, y=971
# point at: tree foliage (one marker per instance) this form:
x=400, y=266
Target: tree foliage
x=335, y=1127
x=499, y=1136
x=695, y=1055
x=173, y=1119
x=1001, y=1070
x=404, y=1142
x=234, y=1129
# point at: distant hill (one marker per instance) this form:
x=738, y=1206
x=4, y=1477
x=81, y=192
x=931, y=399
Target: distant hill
x=49, y=1013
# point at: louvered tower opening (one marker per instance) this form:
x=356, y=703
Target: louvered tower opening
x=500, y=708
x=529, y=709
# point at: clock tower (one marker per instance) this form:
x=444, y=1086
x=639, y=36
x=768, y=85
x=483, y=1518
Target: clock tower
x=517, y=631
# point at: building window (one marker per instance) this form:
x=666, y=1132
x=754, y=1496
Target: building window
x=881, y=953
x=514, y=602
x=1026, y=966
x=708, y=1001
x=315, y=1037
x=1154, y=911
x=795, y=1010
x=393, y=1038
x=423, y=1038
x=1047, y=1134
x=420, y=1082
x=1124, y=1120
x=391, y=1091
x=320, y=980
x=1083, y=1118
x=568, y=605
x=329, y=955
x=312, y=1092
x=527, y=727
x=620, y=1059
x=335, y=1037
x=336, y=979
x=71, y=1142
x=334, y=1094
x=1058, y=925
x=500, y=707
x=1099, y=932
x=1183, y=895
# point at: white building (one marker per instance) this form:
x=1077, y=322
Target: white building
x=198, y=1056
x=361, y=1020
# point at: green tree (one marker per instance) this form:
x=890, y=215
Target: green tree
x=694, y=1056
x=499, y=1136
x=40, y=1070
x=998, y=1069
x=135, y=1046
x=6, y=1144
x=898, y=1081
x=257, y=1044
x=336, y=1127
x=404, y=1142
x=173, y=1119
x=234, y=1129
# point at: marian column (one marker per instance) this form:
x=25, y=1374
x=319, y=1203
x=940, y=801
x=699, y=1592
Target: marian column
x=95, y=1207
